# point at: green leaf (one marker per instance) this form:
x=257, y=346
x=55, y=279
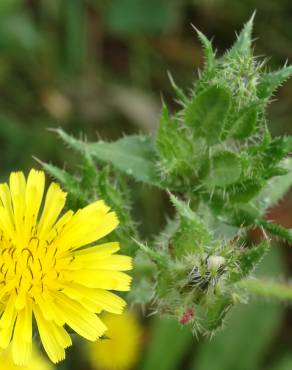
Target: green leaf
x=206, y=113
x=275, y=229
x=134, y=155
x=242, y=46
x=224, y=169
x=116, y=196
x=64, y=178
x=166, y=354
x=245, y=191
x=216, y=311
x=245, y=123
x=77, y=194
x=142, y=287
x=208, y=51
x=175, y=148
x=249, y=258
x=240, y=215
x=182, y=98
x=191, y=233
x=276, y=188
x=271, y=81
x=277, y=150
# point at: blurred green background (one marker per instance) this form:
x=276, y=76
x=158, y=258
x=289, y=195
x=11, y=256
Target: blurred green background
x=99, y=69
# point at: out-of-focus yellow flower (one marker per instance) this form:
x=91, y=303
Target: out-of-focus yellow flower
x=37, y=362
x=120, y=349
x=47, y=270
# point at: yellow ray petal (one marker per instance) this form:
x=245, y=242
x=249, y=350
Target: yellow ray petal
x=62, y=336
x=47, y=334
x=88, y=231
x=17, y=188
x=21, y=349
x=114, y=263
x=33, y=197
x=96, y=299
x=110, y=280
x=54, y=203
x=6, y=200
x=84, y=256
x=6, y=226
x=27, y=322
x=99, y=251
x=109, y=301
x=9, y=312
x=85, y=323
x=6, y=332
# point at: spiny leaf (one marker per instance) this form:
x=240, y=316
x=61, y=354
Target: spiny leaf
x=245, y=123
x=76, y=197
x=182, y=98
x=68, y=181
x=240, y=215
x=206, y=113
x=245, y=191
x=167, y=131
x=275, y=229
x=116, y=196
x=191, y=233
x=69, y=140
x=133, y=155
x=276, y=188
x=271, y=81
x=216, y=311
x=225, y=169
x=89, y=172
x=208, y=50
x=242, y=46
x=157, y=257
x=176, y=146
x=248, y=259
x=183, y=208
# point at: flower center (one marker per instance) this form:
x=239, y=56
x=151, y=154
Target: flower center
x=27, y=269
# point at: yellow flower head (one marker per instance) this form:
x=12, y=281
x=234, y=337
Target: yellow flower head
x=37, y=362
x=120, y=350
x=44, y=272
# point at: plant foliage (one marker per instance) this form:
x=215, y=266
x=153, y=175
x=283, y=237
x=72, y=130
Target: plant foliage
x=221, y=168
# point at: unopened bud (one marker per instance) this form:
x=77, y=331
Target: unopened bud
x=214, y=262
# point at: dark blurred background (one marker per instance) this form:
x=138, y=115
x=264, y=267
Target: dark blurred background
x=99, y=68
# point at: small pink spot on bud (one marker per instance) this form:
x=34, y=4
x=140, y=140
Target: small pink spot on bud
x=187, y=316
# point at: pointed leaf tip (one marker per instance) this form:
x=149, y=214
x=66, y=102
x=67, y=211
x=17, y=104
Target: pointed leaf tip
x=242, y=45
x=273, y=80
x=208, y=50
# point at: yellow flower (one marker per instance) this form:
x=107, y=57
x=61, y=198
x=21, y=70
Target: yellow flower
x=37, y=362
x=46, y=275
x=120, y=349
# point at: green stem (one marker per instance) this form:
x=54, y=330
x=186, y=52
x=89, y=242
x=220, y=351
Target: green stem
x=269, y=289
